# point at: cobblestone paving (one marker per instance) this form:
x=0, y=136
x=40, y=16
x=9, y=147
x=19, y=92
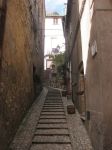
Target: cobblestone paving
x=47, y=126
x=79, y=137
x=25, y=133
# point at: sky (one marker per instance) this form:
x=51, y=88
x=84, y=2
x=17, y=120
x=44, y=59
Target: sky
x=56, y=5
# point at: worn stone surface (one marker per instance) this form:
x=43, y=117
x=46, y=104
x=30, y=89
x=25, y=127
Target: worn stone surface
x=52, y=139
x=52, y=147
x=51, y=132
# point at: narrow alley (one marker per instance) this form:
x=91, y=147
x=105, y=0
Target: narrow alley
x=55, y=74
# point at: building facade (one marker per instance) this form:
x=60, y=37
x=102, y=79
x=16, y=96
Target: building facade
x=54, y=37
x=88, y=35
x=21, y=61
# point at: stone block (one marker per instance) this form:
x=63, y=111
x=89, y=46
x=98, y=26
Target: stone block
x=70, y=105
x=71, y=109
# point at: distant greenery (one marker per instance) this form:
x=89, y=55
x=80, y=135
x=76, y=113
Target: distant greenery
x=58, y=59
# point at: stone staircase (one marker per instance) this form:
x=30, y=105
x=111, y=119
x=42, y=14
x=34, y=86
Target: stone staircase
x=52, y=131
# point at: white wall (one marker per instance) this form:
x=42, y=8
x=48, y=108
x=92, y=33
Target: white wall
x=53, y=35
x=85, y=33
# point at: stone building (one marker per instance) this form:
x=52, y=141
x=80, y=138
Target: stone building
x=88, y=34
x=21, y=61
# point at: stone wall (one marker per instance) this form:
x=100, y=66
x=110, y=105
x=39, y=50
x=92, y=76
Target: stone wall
x=98, y=79
x=18, y=50
x=96, y=34
x=73, y=44
x=37, y=9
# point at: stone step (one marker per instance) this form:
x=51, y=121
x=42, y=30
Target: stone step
x=52, y=121
x=52, y=113
x=54, y=110
x=53, y=105
x=54, y=95
x=56, y=139
x=49, y=107
x=52, y=132
x=53, y=98
x=52, y=126
x=51, y=147
x=52, y=117
x=53, y=101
